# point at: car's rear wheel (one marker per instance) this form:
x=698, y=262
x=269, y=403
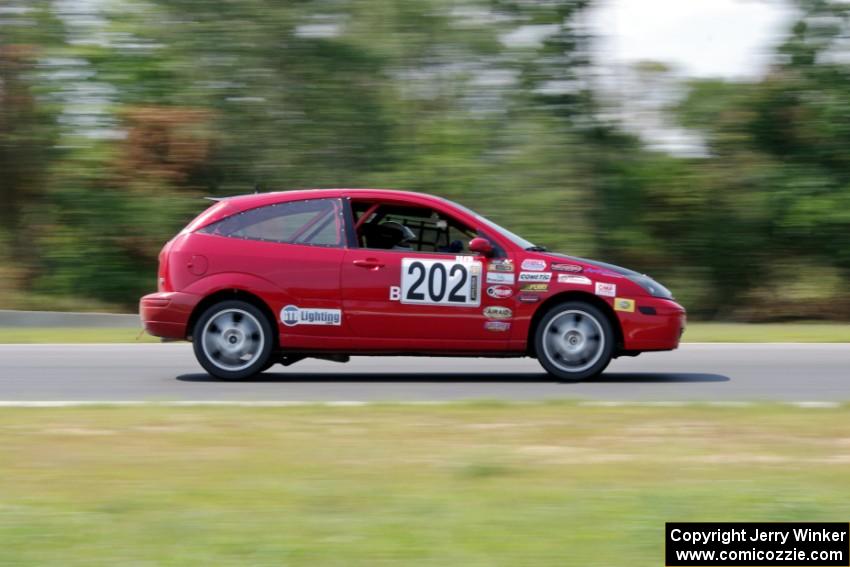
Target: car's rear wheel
x=233, y=340
x=574, y=341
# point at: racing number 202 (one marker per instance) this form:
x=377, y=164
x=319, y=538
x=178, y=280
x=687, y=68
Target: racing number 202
x=440, y=282
x=418, y=268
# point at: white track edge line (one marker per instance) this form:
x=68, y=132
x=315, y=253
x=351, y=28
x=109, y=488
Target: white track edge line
x=813, y=404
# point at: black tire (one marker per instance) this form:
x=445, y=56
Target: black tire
x=574, y=341
x=233, y=340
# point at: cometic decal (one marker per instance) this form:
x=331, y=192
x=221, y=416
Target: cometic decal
x=535, y=276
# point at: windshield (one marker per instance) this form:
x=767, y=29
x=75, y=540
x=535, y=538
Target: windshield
x=515, y=238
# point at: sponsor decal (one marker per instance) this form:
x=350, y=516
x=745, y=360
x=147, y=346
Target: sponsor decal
x=538, y=287
x=607, y=273
x=499, y=277
x=292, y=315
x=499, y=291
x=496, y=312
x=566, y=268
x=535, y=276
x=528, y=298
x=503, y=265
x=440, y=282
x=533, y=265
x=497, y=326
x=576, y=280
x=465, y=259
x=395, y=293
x=621, y=304
x=606, y=289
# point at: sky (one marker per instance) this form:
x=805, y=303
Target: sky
x=729, y=39
x=701, y=38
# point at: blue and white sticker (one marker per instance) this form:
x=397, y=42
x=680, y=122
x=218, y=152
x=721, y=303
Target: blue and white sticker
x=497, y=326
x=292, y=315
x=533, y=265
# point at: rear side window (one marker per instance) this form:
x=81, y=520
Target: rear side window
x=317, y=222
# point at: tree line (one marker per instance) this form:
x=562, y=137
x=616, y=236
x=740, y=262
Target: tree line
x=116, y=118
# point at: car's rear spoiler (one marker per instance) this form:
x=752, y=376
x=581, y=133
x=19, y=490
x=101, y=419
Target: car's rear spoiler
x=257, y=189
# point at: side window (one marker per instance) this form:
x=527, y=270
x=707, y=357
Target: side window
x=317, y=222
x=417, y=229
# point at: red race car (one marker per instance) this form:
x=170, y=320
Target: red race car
x=279, y=277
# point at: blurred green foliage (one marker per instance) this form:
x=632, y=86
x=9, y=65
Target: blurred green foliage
x=117, y=116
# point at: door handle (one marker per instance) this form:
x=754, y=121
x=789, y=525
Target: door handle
x=369, y=263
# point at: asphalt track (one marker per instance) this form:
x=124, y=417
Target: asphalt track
x=168, y=372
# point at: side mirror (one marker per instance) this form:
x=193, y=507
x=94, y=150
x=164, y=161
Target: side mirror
x=481, y=246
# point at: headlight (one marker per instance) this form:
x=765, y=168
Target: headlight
x=651, y=286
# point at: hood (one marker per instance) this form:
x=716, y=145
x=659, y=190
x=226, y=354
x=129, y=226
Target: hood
x=595, y=263
x=648, y=284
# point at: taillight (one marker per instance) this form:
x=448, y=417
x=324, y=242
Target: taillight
x=162, y=282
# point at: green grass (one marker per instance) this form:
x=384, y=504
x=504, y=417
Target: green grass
x=30, y=301
x=696, y=332
x=768, y=333
x=23, y=335
x=473, y=485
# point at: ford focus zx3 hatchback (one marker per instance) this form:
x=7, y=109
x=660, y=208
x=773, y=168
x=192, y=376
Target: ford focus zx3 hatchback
x=278, y=277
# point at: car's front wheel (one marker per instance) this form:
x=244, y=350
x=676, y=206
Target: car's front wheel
x=233, y=340
x=574, y=341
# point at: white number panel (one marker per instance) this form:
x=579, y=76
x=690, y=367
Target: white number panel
x=441, y=282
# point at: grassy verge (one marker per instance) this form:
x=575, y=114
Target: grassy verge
x=26, y=335
x=696, y=332
x=28, y=301
x=768, y=333
x=477, y=484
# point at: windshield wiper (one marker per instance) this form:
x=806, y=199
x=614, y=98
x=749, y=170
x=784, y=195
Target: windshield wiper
x=537, y=249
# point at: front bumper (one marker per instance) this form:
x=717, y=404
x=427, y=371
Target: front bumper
x=658, y=326
x=166, y=314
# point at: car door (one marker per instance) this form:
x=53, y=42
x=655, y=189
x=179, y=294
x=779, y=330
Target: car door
x=405, y=299
x=290, y=254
